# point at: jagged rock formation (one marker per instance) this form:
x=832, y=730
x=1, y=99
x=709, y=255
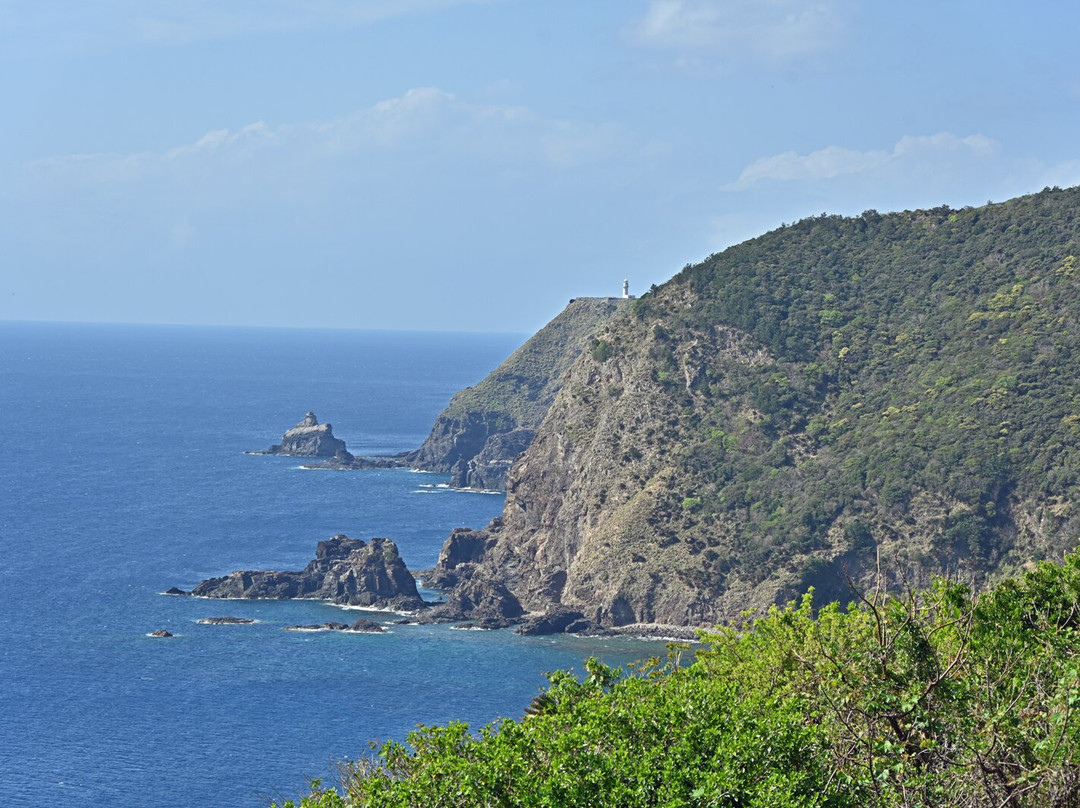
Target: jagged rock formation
x=481, y=600
x=308, y=438
x=474, y=594
x=345, y=571
x=367, y=627
x=557, y=620
x=486, y=427
x=783, y=413
x=460, y=552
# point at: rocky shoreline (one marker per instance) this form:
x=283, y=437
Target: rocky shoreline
x=371, y=575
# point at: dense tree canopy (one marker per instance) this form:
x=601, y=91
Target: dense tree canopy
x=921, y=366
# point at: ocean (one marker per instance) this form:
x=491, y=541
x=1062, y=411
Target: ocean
x=123, y=473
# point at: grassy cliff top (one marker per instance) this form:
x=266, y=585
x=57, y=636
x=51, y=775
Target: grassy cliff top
x=523, y=386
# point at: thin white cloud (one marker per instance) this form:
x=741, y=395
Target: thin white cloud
x=251, y=136
x=944, y=142
x=727, y=33
x=910, y=153
x=424, y=123
x=419, y=111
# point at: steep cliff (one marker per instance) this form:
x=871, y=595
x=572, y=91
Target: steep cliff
x=783, y=414
x=485, y=427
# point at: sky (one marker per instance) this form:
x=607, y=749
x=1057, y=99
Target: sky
x=470, y=165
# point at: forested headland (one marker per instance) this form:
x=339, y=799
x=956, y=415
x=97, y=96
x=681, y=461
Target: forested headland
x=849, y=450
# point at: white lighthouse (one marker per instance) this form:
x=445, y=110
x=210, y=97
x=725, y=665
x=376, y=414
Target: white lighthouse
x=626, y=289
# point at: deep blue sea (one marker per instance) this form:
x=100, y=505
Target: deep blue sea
x=122, y=473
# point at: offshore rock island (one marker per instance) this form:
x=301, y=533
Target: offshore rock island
x=308, y=438
x=347, y=572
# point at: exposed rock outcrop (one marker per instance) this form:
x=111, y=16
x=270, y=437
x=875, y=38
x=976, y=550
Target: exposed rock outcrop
x=359, y=627
x=558, y=620
x=225, y=621
x=367, y=627
x=308, y=438
x=479, y=598
x=345, y=571
x=463, y=547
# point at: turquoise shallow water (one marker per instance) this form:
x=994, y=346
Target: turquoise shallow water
x=123, y=474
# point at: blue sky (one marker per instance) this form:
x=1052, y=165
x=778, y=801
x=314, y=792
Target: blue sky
x=473, y=164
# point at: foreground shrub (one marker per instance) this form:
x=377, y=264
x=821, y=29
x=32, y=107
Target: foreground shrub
x=933, y=697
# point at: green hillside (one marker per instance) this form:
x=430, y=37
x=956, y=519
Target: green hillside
x=918, y=353
x=781, y=413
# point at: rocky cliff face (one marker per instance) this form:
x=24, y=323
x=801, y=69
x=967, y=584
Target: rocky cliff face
x=309, y=438
x=486, y=427
x=345, y=571
x=594, y=510
x=784, y=414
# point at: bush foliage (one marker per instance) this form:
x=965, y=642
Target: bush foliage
x=932, y=697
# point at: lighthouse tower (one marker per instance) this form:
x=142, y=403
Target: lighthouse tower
x=626, y=289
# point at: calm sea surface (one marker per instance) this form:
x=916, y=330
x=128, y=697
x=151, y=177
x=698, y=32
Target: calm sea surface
x=122, y=473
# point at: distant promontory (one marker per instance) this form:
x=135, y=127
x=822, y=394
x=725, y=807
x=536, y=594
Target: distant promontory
x=484, y=428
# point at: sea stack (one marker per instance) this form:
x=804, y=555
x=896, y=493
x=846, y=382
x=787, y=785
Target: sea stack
x=349, y=572
x=308, y=438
